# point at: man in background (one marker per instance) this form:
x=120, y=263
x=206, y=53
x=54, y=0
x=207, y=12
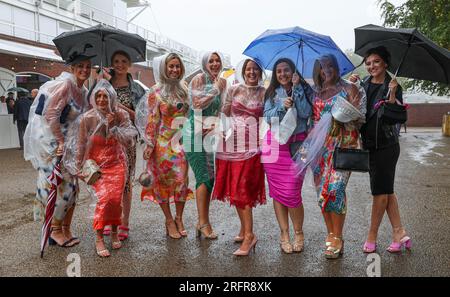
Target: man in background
x=21, y=111
x=34, y=93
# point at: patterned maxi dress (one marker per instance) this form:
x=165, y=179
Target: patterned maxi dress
x=57, y=105
x=331, y=183
x=167, y=164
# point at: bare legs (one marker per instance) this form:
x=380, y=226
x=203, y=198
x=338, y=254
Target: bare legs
x=174, y=226
x=203, y=200
x=100, y=247
x=283, y=213
x=335, y=225
x=246, y=218
x=66, y=227
x=389, y=204
x=126, y=208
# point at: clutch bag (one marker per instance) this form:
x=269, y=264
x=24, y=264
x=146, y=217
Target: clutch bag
x=91, y=171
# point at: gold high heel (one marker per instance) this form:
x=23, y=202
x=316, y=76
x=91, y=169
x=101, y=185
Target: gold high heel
x=328, y=243
x=115, y=244
x=332, y=252
x=299, y=241
x=180, y=226
x=176, y=235
x=201, y=231
x=286, y=246
x=104, y=252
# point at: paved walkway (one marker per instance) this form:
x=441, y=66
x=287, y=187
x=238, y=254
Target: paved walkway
x=422, y=184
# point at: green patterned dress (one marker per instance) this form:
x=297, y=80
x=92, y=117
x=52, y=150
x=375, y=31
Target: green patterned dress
x=201, y=159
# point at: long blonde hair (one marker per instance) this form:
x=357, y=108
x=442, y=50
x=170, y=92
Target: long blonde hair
x=170, y=86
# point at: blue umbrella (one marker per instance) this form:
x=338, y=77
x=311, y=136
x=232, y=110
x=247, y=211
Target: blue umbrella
x=303, y=47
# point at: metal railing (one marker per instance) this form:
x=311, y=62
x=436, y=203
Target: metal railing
x=90, y=15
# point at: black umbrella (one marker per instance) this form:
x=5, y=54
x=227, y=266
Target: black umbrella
x=102, y=41
x=412, y=54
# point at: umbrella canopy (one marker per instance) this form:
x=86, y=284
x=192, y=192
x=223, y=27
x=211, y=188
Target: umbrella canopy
x=412, y=54
x=101, y=41
x=17, y=89
x=303, y=47
x=55, y=180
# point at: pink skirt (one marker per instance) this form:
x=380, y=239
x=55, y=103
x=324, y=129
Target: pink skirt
x=284, y=186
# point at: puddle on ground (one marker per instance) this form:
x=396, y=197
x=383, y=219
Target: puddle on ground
x=424, y=148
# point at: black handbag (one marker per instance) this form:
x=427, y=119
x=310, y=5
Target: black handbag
x=392, y=114
x=351, y=159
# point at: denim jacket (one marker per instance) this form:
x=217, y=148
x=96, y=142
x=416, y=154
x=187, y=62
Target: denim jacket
x=302, y=96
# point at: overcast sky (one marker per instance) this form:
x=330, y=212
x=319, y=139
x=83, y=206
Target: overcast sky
x=230, y=25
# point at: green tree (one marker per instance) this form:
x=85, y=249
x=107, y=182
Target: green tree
x=431, y=17
x=356, y=60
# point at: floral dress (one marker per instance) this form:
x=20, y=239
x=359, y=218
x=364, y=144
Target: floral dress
x=331, y=183
x=167, y=163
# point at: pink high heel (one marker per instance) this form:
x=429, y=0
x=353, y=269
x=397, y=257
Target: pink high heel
x=369, y=247
x=239, y=239
x=396, y=247
x=240, y=252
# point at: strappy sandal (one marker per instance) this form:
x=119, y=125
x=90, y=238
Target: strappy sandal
x=172, y=235
x=332, y=252
x=115, y=244
x=299, y=241
x=104, y=253
x=52, y=241
x=73, y=240
x=327, y=242
x=123, y=235
x=201, y=231
x=286, y=246
x=180, y=226
x=107, y=231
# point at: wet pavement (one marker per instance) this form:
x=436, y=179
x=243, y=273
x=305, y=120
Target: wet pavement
x=422, y=185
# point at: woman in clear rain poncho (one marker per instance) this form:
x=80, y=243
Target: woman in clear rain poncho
x=54, y=111
x=101, y=138
x=158, y=120
x=239, y=172
x=288, y=99
x=129, y=95
x=205, y=92
x=328, y=134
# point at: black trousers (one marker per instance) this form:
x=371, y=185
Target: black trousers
x=21, y=126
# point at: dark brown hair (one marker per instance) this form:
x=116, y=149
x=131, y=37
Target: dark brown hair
x=122, y=53
x=274, y=84
x=380, y=51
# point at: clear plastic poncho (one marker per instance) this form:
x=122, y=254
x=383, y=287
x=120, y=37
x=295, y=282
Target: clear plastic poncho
x=312, y=148
x=205, y=87
x=94, y=125
x=149, y=116
x=167, y=87
x=56, y=107
x=242, y=110
x=98, y=144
